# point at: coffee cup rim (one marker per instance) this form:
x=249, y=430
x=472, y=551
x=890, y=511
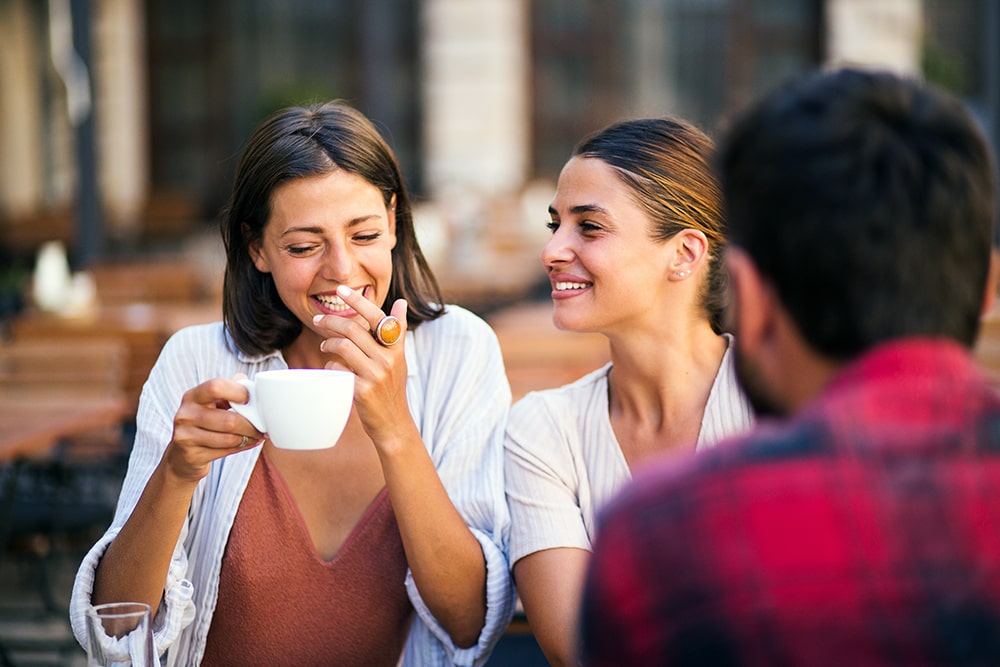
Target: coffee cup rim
x=289, y=372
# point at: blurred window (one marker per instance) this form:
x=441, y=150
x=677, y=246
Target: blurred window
x=596, y=61
x=217, y=68
x=960, y=54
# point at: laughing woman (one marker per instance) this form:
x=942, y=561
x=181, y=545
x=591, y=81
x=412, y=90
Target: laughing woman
x=390, y=545
x=637, y=234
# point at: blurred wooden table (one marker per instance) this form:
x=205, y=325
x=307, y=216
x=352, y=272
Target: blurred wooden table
x=32, y=424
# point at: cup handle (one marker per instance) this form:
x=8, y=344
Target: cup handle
x=249, y=409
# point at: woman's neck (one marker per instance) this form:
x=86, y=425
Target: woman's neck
x=304, y=352
x=657, y=389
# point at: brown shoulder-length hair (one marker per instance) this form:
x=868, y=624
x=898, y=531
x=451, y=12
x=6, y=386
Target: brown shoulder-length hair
x=299, y=142
x=666, y=163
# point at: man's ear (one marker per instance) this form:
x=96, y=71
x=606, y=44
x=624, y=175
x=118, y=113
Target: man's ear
x=752, y=310
x=992, y=280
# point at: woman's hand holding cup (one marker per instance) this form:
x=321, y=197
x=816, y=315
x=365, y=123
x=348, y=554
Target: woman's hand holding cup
x=205, y=429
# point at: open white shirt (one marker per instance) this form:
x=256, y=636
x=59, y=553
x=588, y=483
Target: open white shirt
x=563, y=461
x=459, y=397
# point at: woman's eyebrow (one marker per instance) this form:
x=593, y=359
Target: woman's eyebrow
x=582, y=208
x=354, y=222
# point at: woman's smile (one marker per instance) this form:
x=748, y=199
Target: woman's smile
x=332, y=304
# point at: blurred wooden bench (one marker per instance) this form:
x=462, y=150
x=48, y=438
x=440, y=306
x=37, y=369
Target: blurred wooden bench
x=539, y=356
x=154, y=280
x=63, y=366
x=142, y=327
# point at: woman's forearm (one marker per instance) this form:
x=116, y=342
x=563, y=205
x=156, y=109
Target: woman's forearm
x=550, y=583
x=446, y=560
x=134, y=567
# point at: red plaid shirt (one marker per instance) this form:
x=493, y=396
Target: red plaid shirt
x=863, y=531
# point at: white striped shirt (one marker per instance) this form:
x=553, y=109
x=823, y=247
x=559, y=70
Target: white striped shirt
x=459, y=397
x=563, y=461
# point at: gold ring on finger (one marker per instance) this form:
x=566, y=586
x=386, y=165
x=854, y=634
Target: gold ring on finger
x=388, y=330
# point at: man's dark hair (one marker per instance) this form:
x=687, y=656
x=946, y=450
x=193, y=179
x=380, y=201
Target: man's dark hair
x=868, y=201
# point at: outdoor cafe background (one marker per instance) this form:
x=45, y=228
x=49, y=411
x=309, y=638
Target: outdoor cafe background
x=120, y=121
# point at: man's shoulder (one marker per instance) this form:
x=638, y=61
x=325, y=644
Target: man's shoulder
x=826, y=445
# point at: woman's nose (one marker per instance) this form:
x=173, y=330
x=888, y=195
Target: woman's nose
x=556, y=249
x=338, y=264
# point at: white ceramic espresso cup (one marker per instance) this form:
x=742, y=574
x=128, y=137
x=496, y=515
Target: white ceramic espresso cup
x=299, y=408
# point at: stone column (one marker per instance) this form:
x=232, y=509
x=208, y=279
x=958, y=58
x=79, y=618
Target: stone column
x=120, y=98
x=475, y=95
x=21, y=118
x=887, y=33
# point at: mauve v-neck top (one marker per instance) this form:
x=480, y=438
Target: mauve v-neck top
x=280, y=603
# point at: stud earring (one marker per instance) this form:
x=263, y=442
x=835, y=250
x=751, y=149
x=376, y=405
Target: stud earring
x=680, y=275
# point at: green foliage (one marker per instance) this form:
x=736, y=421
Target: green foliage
x=292, y=93
x=943, y=68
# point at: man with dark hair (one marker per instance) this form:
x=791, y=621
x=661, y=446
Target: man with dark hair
x=859, y=523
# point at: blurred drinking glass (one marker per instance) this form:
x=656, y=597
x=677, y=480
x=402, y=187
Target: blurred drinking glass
x=120, y=634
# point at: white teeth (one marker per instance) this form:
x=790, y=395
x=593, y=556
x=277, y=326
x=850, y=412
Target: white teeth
x=332, y=302
x=566, y=286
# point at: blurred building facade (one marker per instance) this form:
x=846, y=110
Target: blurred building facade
x=124, y=117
